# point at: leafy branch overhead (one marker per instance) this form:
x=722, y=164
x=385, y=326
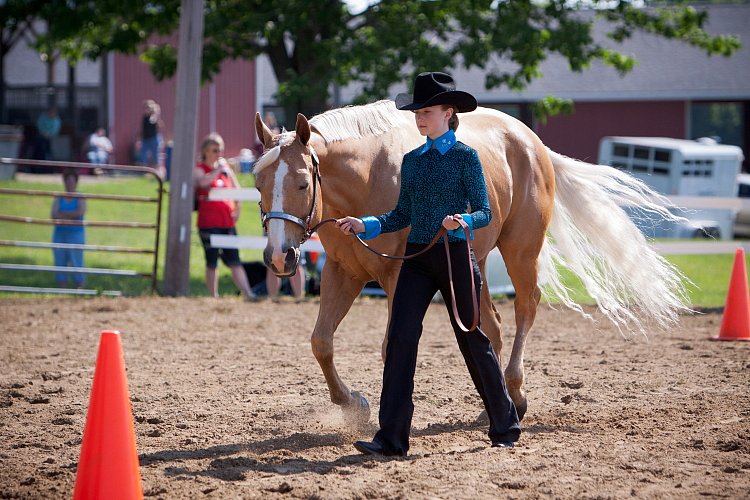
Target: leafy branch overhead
x=314, y=45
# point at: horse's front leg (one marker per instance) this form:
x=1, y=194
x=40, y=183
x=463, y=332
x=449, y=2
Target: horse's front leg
x=337, y=293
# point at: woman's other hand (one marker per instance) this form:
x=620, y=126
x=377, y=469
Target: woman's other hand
x=451, y=222
x=350, y=225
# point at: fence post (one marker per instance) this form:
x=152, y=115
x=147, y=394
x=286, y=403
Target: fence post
x=177, y=265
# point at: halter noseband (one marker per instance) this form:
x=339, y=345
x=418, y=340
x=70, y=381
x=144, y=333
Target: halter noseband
x=304, y=223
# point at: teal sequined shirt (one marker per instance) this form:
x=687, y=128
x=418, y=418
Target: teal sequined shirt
x=436, y=181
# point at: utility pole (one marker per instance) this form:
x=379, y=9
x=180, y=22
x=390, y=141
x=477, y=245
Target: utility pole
x=177, y=265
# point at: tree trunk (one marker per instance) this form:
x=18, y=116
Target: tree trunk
x=310, y=106
x=73, y=111
x=51, y=91
x=3, y=109
x=177, y=259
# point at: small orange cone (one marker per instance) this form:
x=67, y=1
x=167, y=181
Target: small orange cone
x=108, y=465
x=735, y=324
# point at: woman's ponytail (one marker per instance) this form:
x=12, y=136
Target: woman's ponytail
x=453, y=121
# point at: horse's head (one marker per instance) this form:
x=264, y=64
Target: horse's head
x=287, y=178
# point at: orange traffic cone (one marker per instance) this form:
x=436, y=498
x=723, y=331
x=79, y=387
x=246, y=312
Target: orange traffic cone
x=735, y=324
x=108, y=465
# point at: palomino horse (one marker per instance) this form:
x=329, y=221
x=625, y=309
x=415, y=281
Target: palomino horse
x=346, y=162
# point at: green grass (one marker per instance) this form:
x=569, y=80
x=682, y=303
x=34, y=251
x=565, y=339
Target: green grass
x=709, y=273
x=106, y=210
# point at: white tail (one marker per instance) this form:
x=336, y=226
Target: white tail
x=595, y=238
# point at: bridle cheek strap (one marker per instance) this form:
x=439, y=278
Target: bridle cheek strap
x=304, y=223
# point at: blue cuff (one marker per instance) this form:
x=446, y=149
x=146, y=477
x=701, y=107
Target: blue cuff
x=372, y=227
x=459, y=232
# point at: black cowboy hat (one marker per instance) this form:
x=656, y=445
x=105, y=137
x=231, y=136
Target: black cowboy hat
x=433, y=88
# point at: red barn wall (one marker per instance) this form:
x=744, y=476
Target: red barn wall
x=577, y=135
x=232, y=107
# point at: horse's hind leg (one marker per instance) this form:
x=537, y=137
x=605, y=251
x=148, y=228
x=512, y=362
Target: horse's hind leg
x=337, y=293
x=520, y=257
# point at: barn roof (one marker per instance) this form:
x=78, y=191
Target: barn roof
x=666, y=69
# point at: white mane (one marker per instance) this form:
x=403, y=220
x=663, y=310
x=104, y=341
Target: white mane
x=349, y=122
x=356, y=122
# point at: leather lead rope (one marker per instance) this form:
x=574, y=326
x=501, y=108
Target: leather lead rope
x=441, y=232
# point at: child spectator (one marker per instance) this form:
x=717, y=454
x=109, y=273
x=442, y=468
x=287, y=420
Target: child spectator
x=69, y=208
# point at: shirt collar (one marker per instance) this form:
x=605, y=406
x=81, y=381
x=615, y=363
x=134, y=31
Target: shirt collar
x=442, y=143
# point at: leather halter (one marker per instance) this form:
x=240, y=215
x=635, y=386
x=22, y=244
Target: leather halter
x=304, y=223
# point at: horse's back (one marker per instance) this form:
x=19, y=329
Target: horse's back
x=518, y=173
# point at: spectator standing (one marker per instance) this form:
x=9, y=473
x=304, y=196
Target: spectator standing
x=218, y=216
x=48, y=127
x=99, y=147
x=69, y=208
x=151, y=136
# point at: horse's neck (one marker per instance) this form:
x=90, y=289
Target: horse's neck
x=360, y=176
x=345, y=179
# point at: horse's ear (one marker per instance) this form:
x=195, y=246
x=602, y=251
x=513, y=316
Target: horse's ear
x=303, y=129
x=264, y=133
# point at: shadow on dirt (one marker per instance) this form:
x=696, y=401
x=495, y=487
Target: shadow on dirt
x=274, y=456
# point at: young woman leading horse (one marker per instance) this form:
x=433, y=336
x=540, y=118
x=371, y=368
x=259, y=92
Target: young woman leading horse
x=440, y=180
x=346, y=162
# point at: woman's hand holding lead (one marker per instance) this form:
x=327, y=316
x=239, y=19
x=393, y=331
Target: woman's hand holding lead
x=350, y=225
x=451, y=222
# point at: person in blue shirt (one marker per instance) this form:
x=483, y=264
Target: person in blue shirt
x=48, y=125
x=69, y=208
x=440, y=180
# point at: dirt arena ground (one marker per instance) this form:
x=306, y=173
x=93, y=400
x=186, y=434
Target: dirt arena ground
x=229, y=402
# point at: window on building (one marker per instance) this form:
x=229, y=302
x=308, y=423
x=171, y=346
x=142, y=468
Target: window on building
x=513, y=110
x=723, y=120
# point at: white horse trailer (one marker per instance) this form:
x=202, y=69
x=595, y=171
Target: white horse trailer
x=679, y=167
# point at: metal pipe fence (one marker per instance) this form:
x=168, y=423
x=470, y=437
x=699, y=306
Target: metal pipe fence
x=116, y=225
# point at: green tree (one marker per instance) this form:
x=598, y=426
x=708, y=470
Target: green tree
x=314, y=45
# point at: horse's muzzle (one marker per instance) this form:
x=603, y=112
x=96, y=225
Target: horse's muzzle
x=282, y=264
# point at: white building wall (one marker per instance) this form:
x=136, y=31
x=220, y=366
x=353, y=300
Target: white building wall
x=23, y=67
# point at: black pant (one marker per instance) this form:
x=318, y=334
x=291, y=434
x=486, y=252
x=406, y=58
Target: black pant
x=417, y=283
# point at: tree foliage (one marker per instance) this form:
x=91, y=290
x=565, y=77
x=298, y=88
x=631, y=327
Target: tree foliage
x=313, y=45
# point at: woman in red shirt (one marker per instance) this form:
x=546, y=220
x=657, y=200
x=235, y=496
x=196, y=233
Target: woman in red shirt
x=218, y=216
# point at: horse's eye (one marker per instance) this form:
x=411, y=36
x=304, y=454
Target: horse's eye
x=304, y=186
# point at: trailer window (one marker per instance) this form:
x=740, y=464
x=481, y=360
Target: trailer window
x=662, y=155
x=620, y=150
x=641, y=153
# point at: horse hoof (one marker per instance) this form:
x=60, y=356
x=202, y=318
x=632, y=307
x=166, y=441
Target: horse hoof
x=358, y=411
x=521, y=409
